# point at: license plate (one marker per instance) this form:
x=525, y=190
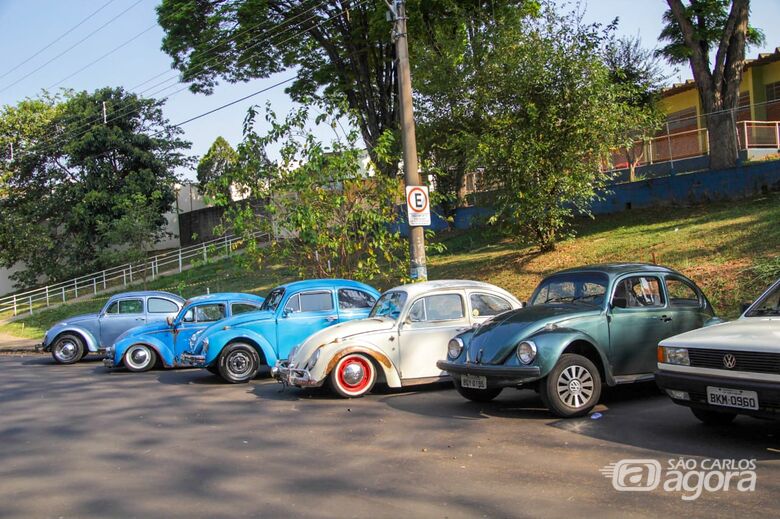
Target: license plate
x=726, y=397
x=473, y=382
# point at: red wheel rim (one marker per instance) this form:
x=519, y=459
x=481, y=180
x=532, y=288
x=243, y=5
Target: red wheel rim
x=363, y=382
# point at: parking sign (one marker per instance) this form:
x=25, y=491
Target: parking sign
x=418, y=206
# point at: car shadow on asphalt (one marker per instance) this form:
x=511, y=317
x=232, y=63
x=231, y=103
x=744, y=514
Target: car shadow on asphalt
x=46, y=360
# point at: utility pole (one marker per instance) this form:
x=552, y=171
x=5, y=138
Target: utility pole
x=418, y=269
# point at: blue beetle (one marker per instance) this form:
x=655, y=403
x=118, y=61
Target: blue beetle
x=140, y=348
x=237, y=347
x=72, y=339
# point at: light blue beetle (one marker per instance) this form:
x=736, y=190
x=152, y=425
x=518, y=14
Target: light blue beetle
x=236, y=348
x=140, y=348
x=72, y=339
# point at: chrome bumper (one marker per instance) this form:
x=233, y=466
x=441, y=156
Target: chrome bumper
x=190, y=359
x=288, y=376
x=109, y=362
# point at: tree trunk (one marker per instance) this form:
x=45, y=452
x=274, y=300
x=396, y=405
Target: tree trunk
x=723, y=140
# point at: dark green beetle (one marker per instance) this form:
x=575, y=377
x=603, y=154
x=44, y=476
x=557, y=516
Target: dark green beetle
x=581, y=328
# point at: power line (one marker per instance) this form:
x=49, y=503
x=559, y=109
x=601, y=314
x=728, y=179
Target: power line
x=104, y=56
x=85, y=38
x=87, y=126
x=58, y=38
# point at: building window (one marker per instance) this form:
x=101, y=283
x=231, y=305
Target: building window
x=681, y=121
x=773, y=101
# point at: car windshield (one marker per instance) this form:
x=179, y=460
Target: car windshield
x=587, y=288
x=769, y=305
x=389, y=305
x=273, y=299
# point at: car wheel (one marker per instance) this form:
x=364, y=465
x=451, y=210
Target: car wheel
x=139, y=357
x=478, y=395
x=68, y=349
x=238, y=363
x=713, y=417
x=573, y=387
x=353, y=376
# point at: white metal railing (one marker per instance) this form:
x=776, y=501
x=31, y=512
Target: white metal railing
x=758, y=135
x=119, y=276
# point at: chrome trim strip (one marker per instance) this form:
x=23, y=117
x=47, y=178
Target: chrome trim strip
x=724, y=373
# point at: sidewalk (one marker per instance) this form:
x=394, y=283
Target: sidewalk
x=12, y=344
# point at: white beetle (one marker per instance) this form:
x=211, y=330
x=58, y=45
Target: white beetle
x=399, y=343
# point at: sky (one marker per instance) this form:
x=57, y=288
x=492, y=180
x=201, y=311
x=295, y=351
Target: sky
x=27, y=26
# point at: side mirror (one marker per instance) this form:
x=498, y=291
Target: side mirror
x=745, y=306
x=286, y=312
x=523, y=304
x=169, y=320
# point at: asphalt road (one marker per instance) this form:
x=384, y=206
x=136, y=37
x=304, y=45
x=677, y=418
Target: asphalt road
x=80, y=441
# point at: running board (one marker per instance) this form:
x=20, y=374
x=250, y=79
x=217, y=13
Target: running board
x=630, y=379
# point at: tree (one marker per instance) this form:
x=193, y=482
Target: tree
x=325, y=218
x=73, y=174
x=342, y=52
x=693, y=30
x=554, y=114
x=452, y=44
x=637, y=73
x=214, y=168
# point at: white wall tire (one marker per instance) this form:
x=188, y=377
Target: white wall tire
x=139, y=357
x=353, y=376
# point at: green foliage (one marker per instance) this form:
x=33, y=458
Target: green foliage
x=75, y=181
x=710, y=17
x=325, y=216
x=555, y=113
x=214, y=168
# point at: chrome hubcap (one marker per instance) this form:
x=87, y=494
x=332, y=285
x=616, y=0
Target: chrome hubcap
x=140, y=356
x=353, y=373
x=66, y=350
x=238, y=363
x=575, y=386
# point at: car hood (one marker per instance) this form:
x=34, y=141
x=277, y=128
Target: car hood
x=343, y=331
x=77, y=319
x=498, y=337
x=744, y=334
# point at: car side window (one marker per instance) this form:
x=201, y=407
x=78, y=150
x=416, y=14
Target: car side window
x=243, y=308
x=113, y=308
x=209, y=313
x=681, y=293
x=131, y=306
x=293, y=304
x=486, y=304
x=157, y=305
x=316, y=301
x=440, y=307
x=350, y=299
x=638, y=292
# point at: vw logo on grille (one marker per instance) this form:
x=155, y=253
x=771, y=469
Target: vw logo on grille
x=729, y=361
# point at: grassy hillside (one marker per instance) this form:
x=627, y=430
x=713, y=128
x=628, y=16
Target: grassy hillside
x=731, y=249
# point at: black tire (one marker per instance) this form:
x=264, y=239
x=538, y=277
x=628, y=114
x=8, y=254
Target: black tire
x=68, y=348
x=573, y=387
x=713, y=417
x=238, y=363
x=139, y=358
x=353, y=376
x=478, y=395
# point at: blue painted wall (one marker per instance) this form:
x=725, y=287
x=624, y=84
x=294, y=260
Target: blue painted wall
x=689, y=188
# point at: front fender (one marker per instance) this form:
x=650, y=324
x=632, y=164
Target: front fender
x=332, y=353
x=164, y=353
x=89, y=340
x=551, y=345
x=219, y=340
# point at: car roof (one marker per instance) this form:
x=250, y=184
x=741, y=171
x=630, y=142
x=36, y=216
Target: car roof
x=326, y=283
x=616, y=269
x=415, y=289
x=147, y=293
x=223, y=296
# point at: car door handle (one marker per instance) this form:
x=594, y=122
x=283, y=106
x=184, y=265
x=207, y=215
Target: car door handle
x=665, y=318
x=331, y=318
x=140, y=319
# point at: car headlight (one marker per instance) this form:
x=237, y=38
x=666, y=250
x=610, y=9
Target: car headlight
x=454, y=347
x=677, y=356
x=110, y=351
x=205, y=346
x=526, y=352
x=313, y=359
